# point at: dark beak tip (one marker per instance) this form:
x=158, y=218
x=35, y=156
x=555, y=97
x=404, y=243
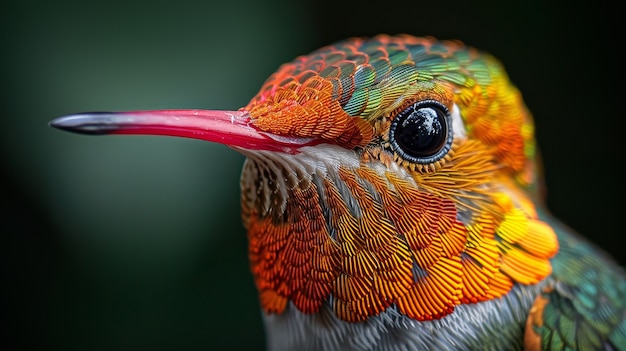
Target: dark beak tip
x=56, y=123
x=94, y=123
x=62, y=123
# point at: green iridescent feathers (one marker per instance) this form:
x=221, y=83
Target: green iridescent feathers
x=583, y=304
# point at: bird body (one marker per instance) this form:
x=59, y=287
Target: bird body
x=392, y=199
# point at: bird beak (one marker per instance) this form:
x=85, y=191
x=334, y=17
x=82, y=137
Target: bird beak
x=232, y=128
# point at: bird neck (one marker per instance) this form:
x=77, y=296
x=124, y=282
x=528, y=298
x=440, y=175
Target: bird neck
x=496, y=324
x=340, y=227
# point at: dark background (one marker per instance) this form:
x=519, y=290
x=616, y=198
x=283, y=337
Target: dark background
x=119, y=243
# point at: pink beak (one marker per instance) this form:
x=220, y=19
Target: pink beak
x=232, y=128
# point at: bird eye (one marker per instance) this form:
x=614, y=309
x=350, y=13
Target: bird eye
x=421, y=132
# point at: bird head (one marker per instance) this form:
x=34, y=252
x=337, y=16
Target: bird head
x=386, y=172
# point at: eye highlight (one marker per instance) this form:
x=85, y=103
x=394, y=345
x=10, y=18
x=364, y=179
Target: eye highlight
x=422, y=133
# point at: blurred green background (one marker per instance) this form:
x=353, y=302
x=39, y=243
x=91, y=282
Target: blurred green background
x=120, y=243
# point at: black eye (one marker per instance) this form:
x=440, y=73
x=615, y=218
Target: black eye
x=421, y=133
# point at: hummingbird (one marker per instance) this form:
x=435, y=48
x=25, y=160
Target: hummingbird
x=393, y=200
